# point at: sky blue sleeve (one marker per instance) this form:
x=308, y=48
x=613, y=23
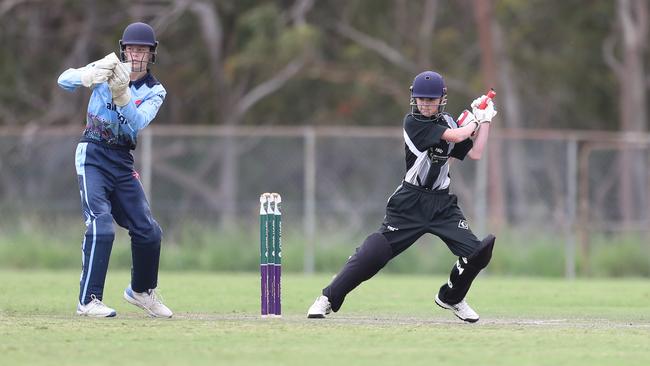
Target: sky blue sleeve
x=139, y=117
x=70, y=79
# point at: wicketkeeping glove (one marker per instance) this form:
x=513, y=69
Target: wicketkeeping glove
x=483, y=115
x=119, y=84
x=99, y=71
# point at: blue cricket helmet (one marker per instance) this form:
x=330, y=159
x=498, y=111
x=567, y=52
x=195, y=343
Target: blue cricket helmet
x=428, y=84
x=140, y=34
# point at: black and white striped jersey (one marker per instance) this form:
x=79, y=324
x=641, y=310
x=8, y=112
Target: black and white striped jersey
x=427, y=155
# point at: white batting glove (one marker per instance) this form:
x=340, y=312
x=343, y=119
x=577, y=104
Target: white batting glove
x=99, y=71
x=477, y=101
x=119, y=84
x=483, y=115
x=467, y=117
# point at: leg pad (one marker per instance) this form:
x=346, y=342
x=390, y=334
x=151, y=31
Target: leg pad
x=465, y=271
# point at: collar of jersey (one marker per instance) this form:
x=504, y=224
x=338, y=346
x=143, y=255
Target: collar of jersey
x=429, y=119
x=146, y=79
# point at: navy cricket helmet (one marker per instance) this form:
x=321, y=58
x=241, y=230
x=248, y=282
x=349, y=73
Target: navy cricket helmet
x=140, y=34
x=429, y=84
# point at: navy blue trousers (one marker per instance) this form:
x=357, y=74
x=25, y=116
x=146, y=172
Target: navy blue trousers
x=110, y=190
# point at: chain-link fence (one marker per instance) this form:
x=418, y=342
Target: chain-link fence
x=567, y=185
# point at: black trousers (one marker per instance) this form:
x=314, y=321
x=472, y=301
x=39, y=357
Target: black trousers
x=413, y=211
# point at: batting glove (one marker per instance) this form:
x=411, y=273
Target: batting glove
x=119, y=84
x=483, y=115
x=467, y=117
x=99, y=71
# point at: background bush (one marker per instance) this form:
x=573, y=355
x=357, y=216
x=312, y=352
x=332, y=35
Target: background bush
x=201, y=248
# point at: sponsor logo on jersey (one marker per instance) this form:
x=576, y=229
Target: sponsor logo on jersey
x=462, y=224
x=120, y=116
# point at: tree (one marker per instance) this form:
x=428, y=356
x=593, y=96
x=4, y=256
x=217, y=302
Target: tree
x=238, y=38
x=631, y=30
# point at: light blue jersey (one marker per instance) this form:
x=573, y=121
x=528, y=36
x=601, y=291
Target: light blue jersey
x=115, y=126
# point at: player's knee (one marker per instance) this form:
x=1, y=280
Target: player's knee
x=376, y=249
x=483, y=254
x=102, y=226
x=150, y=234
x=156, y=233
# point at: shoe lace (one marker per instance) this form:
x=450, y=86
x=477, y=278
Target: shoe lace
x=463, y=306
x=95, y=301
x=325, y=304
x=155, y=297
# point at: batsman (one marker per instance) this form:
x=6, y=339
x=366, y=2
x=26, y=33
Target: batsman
x=125, y=98
x=422, y=203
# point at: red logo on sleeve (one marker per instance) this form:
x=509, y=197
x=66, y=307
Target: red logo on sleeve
x=138, y=102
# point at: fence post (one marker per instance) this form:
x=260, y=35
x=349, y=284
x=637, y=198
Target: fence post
x=583, y=208
x=146, y=169
x=571, y=204
x=309, y=202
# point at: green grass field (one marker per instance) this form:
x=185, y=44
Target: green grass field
x=388, y=320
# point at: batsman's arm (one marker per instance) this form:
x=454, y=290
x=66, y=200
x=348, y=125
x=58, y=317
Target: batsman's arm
x=467, y=125
x=479, y=142
x=139, y=117
x=484, y=110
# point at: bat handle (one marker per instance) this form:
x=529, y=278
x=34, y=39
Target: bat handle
x=490, y=94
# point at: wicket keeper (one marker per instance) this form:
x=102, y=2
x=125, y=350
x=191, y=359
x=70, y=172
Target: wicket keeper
x=125, y=98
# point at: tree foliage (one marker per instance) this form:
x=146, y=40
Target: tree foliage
x=321, y=62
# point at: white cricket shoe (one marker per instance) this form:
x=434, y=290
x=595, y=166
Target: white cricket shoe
x=149, y=301
x=95, y=308
x=320, y=308
x=462, y=310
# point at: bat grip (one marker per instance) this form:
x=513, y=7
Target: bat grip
x=490, y=94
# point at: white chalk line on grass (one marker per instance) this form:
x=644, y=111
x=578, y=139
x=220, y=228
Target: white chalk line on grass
x=383, y=320
x=409, y=321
